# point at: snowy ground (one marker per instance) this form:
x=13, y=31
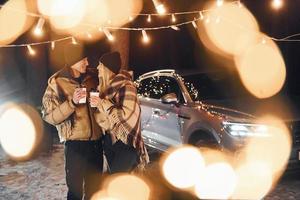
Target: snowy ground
x=43, y=178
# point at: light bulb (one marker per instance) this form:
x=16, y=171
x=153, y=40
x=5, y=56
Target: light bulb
x=161, y=9
x=145, y=37
x=149, y=18
x=109, y=36
x=194, y=24
x=52, y=45
x=173, y=18
x=38, y=30
x=277, y=4
x=31, y=51
x=74, y=41
x=175, y=28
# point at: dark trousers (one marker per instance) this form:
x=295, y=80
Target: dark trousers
x=83, y=166
x=120, y=157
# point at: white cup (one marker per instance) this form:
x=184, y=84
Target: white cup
x=83, y=99
x=94, y=94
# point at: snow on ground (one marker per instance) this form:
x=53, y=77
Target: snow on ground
x=44, y=178
x=41, y=178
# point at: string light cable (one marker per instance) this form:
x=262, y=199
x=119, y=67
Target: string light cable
x=107, y=29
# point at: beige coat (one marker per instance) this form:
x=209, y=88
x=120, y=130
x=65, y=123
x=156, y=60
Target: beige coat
x=72, y=122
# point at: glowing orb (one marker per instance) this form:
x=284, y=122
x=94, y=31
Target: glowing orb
x=18, y=133
x=217, y=182
x=183, y=167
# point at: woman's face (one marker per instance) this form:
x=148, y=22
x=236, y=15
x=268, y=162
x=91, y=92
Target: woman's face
x=105, y=75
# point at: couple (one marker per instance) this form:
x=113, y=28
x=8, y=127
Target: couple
x=90, y=125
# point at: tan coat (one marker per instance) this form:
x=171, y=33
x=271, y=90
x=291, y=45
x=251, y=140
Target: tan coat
x=72, y=122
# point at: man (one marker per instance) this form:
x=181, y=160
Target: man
x=118, y=99
x=64, y=107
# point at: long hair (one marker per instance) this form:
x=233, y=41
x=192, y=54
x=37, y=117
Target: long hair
x=105, y=76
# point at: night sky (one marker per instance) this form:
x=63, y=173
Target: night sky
x=24, y=78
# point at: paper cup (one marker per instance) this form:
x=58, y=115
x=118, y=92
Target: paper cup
x=83, y=99
x=94, y=94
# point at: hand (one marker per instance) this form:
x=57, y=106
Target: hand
x=78, y=94
x=95, y=101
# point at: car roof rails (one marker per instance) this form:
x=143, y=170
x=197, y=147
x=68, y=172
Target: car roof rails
x=157, y=72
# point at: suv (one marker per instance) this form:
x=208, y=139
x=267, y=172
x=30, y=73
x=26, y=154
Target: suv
x=171, y=116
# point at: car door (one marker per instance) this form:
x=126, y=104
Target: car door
x=160, y=123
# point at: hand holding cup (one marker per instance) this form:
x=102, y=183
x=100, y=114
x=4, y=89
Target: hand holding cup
x=79, y=96
x=94, y=99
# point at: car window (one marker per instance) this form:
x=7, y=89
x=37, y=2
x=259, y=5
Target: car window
x=158, y=86
x=214, y=86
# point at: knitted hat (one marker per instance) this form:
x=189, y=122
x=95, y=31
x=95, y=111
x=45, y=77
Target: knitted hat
x=112, y=61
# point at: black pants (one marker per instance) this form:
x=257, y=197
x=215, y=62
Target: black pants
x=83, y=166
x=120, y=157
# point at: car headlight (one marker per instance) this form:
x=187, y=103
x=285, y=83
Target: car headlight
x=246, y=130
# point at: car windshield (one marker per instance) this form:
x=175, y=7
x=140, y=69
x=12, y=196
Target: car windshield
x=212, y=86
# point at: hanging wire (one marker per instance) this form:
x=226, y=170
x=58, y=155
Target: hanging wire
x=171, y=26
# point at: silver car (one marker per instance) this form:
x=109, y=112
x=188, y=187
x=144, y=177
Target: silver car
x=172, y=115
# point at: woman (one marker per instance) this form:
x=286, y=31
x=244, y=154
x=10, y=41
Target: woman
x=118, y=101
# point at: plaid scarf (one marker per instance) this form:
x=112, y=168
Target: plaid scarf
x=125, y=113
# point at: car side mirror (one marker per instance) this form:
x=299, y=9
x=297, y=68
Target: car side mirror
x=169, y=99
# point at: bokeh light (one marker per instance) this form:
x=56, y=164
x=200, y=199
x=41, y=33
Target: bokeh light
x=277, y=4
x=65, y=14
x=229, y=29
x=182, y=168
x=85, y=19
x=127, y=187
x=21, y=130
x=274, y=150
x=262, y=69
x=218, y=181
x=254, y=181
x=13, y=20
x=102, y=195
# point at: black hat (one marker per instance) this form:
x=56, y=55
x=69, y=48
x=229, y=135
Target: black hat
x=112, y=61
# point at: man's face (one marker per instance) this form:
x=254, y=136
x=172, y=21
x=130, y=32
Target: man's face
x=80, y=66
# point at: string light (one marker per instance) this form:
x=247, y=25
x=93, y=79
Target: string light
x=194, y=24
x=38, y=31
x=173, y=18
x=31, y=51
x=109, y=36
x=263, y=41
x=219, y=3
x=145, y=37
x=175, y=28
x=160, y=8
x=149, y=18
x=52, y=45
x=74, y=41
x=201, y=15
x=130, y=18
x=41, y=22
x=277, y=4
